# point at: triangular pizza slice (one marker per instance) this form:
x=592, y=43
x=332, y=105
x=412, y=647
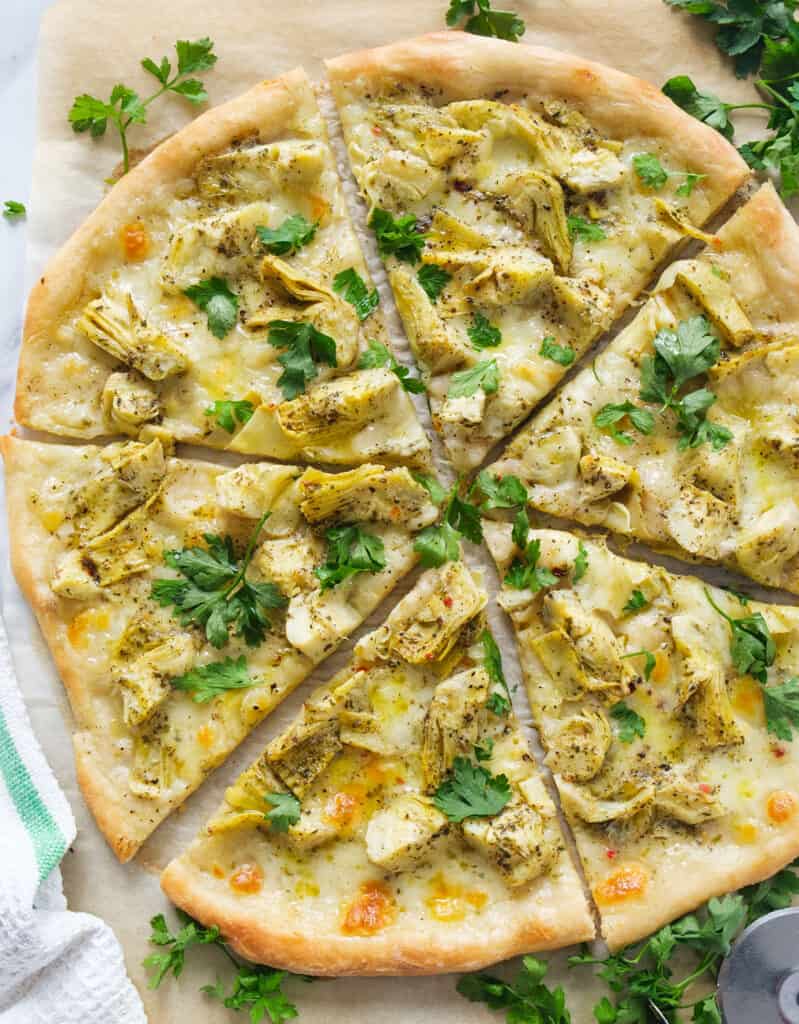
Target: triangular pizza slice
x=218, y=296
x=521, y=198
x=183, y=600
x=668, y=710
x=685, y=433
x=399, y=824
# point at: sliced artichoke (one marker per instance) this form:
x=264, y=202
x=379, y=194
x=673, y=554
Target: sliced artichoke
x=317, y=621
x=553, y=458
x=556, y=653
x=578, y=746
x=253, y=172
x=698, y=521
x=433, y=345
x=337, y=407
x=154, y=770
x=520, y=841
x=689, y=802
x=290, y=562
x=583, y=307
x=128, y=402
x=430, y=132
x=594, y=169
x=452, y=723
x=124, y=550
x=301, y=753
x=714, y=294
x=397, y=179
x=581, y=803
x=400, y=835
x=113, y=323
x=425, y=625
x=132, y=474
x=144, y=678
x=602, y=476
x=254, y=488
x=771, y=541
x=702, y=690
x=366, y=494
x=598, y=650
x=510, y=275
x=536, y=200
x=245, y=803
x=312, y=830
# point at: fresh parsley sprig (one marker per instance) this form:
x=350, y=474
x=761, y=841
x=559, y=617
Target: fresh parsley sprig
x=352, y=287
x=204, y=682
x=649, y=661
x=610, y=415
x=288, y=237
x=483, y=334
x=214, y=592
x=471, y=792
x=526, y=1000
x=433, y=280
x=305, y=348
x=498, y=702
x=653, y=175
x=173, y=960
x=752, y=646
x=466, y=383
x=227, y=413
x=580, y=563
x=219, y=303
x=350, y=550
x=440, y=543
x=635, y=602
x=13, y=210
x=285, y=810
x=377, y=355
x=563, y=355
x=585, y=230
x=499, y=491
x=126, y=108
x=630, y=722
x=524, y=572
x=397, y=236
x=481, y=20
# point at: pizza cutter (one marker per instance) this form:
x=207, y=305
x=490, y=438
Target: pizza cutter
x=759, y=980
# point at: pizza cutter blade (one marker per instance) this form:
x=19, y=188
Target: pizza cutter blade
x=759, y=980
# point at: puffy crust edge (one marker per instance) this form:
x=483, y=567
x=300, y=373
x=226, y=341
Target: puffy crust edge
x=254, y=936
x=464, y=66
x=262, y=111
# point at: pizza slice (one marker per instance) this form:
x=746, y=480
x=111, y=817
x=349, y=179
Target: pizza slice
x=183, y=600
x=521, y=199
x=399, y=824
x=668, y=712
x=684, y=433
x=218, y=296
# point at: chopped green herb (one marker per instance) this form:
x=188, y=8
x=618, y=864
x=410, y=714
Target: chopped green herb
x=218, y=302
x=483, y=334
x=752, y=646
x=580, y=563
x=630, y=722
x=649, y=661
x=398, y=237
x=527, y=1000
x=481, y=20
x=466, y=383
x=288, y=237
x=350, y=550
x=524, y=572
x=585, y=230
x=781, y=704
x=499, y=491
x=437, y=492
x=471, y=792
x=352, y=287
x=654, y=176
x=204, y=682
x=492, y=662
x=378, y=355
x=635, y=602
x=228, y=413
x=564, y=355
x=173, y=960
x=484, y=750
x=612, y=413
x=285, y=810
x=12, y=209
x=433, y=280
x=305, y=348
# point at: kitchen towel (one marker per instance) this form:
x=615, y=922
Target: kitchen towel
x=56, y=966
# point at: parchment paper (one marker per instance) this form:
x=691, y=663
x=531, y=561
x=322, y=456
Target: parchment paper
x=87, y=46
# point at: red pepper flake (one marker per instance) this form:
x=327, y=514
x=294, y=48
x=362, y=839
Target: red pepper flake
x=611, y=854
x=430, y=655
x=376, y=129
x=448, y=602
x=705, y=787
x=778, y=751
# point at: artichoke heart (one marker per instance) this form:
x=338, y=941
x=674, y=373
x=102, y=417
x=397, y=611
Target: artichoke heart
x=521, y=842
x=124, y=550
x=155, y=769
x=245, y=805
x=698, y=521
x=536, y=200
x=254, y=488
x=602, y=475
x=397, y=178
x=581, y=803
x=510, y=275
x=771, y=541
x=129, y=401
x=143, y=679
x=337, y=407
x=450, y=235
x=425, y=625
x=559, y=659
x=702, y=691
x=579, y=745
x=584, y=308
x=715, y=296
x=452, y=723
x=366, y=494
x=253, y=172
x=400, y=835
x=594, y=642
x=594, y=169
x=317, y=621
x=300, y=754
x=686, y=801
x=553, y=458
x=290, y=562
x=429, y=132
x=113, y=323
x=433, y=345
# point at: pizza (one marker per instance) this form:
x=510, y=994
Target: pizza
x=661, y=703
x=218, y=296
x=182, y=601
x=683, y=433
x=399, y=824
x=521, y=198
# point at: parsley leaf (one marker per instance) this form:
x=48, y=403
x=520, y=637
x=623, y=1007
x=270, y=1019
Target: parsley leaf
x=13, y=209
x=781, y=705
x=257, y=989
x=704, y=106
x=499, y=491
x=527, y=1000
x=288, y=237
x=172, y=961
x=285, y=810
x=378, y=355
x=498, y=702
x=351, y=550
x=432, y=486
x=653, y=175
x=564, y=355
x=580, y=563
x=483, y=334
x=398, y=236
x=306, y=346
x=752, y=646
x=689, y=351
x=630, y=722
x=217, y=301
x=440, y=543
x=775, y=893
x=483, y=751
x=124, y=107
x=466, y=383
x=471, y=792
x=215, y=592
x=635, y=602
x=227, y=413
x=204, y=682
x=612, y=413
x=649, y=660
x=524, y=572
x=433, y=280
x=585, y=230
x=352, y=287
x=481, y=20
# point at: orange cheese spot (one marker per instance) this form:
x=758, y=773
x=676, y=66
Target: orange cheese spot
x=745, y=832
x=660, y=672
x=747, y=698
x=86, y=622
x=205, y=736
x=371, y=910
x=451, y=902
x=375, y=770
x=217, y=871
x=135, y=241
x=625, y=883
x=781, y=806
x=319, y=207
x=247, y=878
x=344, y=807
